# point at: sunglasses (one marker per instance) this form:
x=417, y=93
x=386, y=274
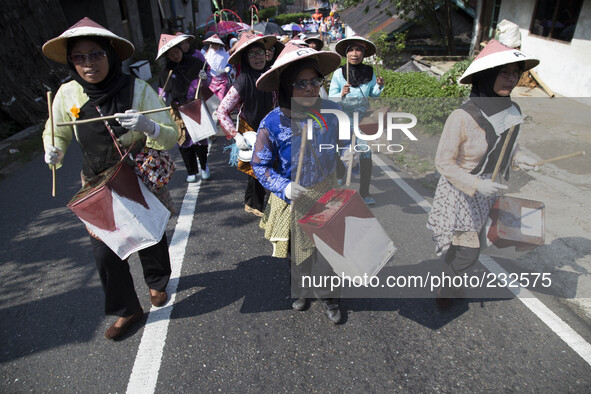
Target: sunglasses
x=303, y=83
x=256, y=52
x=91, y=57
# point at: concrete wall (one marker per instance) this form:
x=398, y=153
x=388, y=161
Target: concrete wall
x=565, y=67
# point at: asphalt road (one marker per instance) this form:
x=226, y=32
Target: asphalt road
x=231, y=326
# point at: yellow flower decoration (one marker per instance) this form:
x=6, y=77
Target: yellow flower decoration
x=75, y=111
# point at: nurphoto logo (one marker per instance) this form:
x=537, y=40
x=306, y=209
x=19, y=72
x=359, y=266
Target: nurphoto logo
x=394, y=121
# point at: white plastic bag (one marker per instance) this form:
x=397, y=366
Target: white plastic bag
x=508, y=34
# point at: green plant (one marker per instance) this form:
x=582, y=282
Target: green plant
x=422, y=95
x=266, y=13
x=388, y=50
x=449, y=80
x=284, y=19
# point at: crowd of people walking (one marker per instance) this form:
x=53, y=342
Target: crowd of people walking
x=266, y=87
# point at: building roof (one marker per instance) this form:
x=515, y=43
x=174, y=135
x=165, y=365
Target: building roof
x=368, y=17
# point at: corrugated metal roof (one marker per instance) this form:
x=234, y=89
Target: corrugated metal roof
x=368, y=17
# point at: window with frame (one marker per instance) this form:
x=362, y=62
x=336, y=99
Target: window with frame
x=556, y=19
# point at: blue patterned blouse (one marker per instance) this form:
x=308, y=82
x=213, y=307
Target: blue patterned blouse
x=274, y=161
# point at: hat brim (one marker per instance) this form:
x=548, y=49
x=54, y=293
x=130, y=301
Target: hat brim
x=171, y=44
x=341, y=47
x=57, y=48
x=328, y=61
x=214, y=41
x=267, y=41
x=318, y=42
x=497, y=59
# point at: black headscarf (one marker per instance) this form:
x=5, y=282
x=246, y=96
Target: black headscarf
x=184, y=72
x=113, y=94
x=288, y=77
x=102, y=93
x=483, y=98
x=483, y=94
x=359, y=74
x=257, y=104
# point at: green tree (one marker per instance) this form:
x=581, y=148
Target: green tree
x=422, y=12
x=283, y=5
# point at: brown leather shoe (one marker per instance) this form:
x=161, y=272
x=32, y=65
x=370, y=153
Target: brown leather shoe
x=116, y=332
x=159, y=299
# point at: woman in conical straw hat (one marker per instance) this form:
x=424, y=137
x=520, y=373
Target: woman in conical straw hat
x=355, y=89
x=99, y=87
x=297, y=74
x=217, y=59
x=469, y=148
x=179, y=79
x=252, y=103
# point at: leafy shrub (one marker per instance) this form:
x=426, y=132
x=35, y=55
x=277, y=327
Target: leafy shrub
x=265, y=14
x=422, y=95
x=284, y=19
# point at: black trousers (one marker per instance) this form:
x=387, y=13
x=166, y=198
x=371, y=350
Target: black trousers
x=460, y=259
x=190, y=156
x=120, y=296
x=365, y=168
x=254, y=196
x=315, y=267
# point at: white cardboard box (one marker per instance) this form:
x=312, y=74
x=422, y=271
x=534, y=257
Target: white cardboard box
x=141, y=69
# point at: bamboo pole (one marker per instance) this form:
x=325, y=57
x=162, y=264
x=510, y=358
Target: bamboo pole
x=539, y=163
x=301, y=157
x=102, y=118
x=503, y=149
x=165, y=83
x=350, y=166
x=202, y=69
x=544, y=87
x=50, y=110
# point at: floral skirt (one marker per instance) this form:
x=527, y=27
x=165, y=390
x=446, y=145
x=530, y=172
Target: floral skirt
x=455, y=212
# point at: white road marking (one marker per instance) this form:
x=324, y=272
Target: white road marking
x=555, y=323
x=144, y=375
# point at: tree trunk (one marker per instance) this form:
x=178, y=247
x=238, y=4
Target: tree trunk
x=477, y=31
x=451, y=46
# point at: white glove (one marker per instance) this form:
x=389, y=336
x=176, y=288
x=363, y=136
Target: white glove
x=489, y=188
x=133, y=120
x=241, y=142
x=350, y=155
x=202, y=74
x=525, y=162
x=227, y=70
x=293, y=190
x=53, y=155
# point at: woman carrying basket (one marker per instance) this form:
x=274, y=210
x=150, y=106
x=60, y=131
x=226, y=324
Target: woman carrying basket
x=179, y=79
x=470, y=146
x=99, y=88
x=252, y=104
x=298, y=73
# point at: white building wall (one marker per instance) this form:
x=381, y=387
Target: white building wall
x=565, y=67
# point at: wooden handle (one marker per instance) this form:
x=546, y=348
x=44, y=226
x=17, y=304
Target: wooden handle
x=202, y=69
x=539, y=163
x=301, y=157
x=544, y=87
x=50, y=110
x=165, y=83
x=102, y=118
x=503, y=149
x=350, y=167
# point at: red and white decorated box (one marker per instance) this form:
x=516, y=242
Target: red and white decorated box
x=347, y=234
x=515, y=226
